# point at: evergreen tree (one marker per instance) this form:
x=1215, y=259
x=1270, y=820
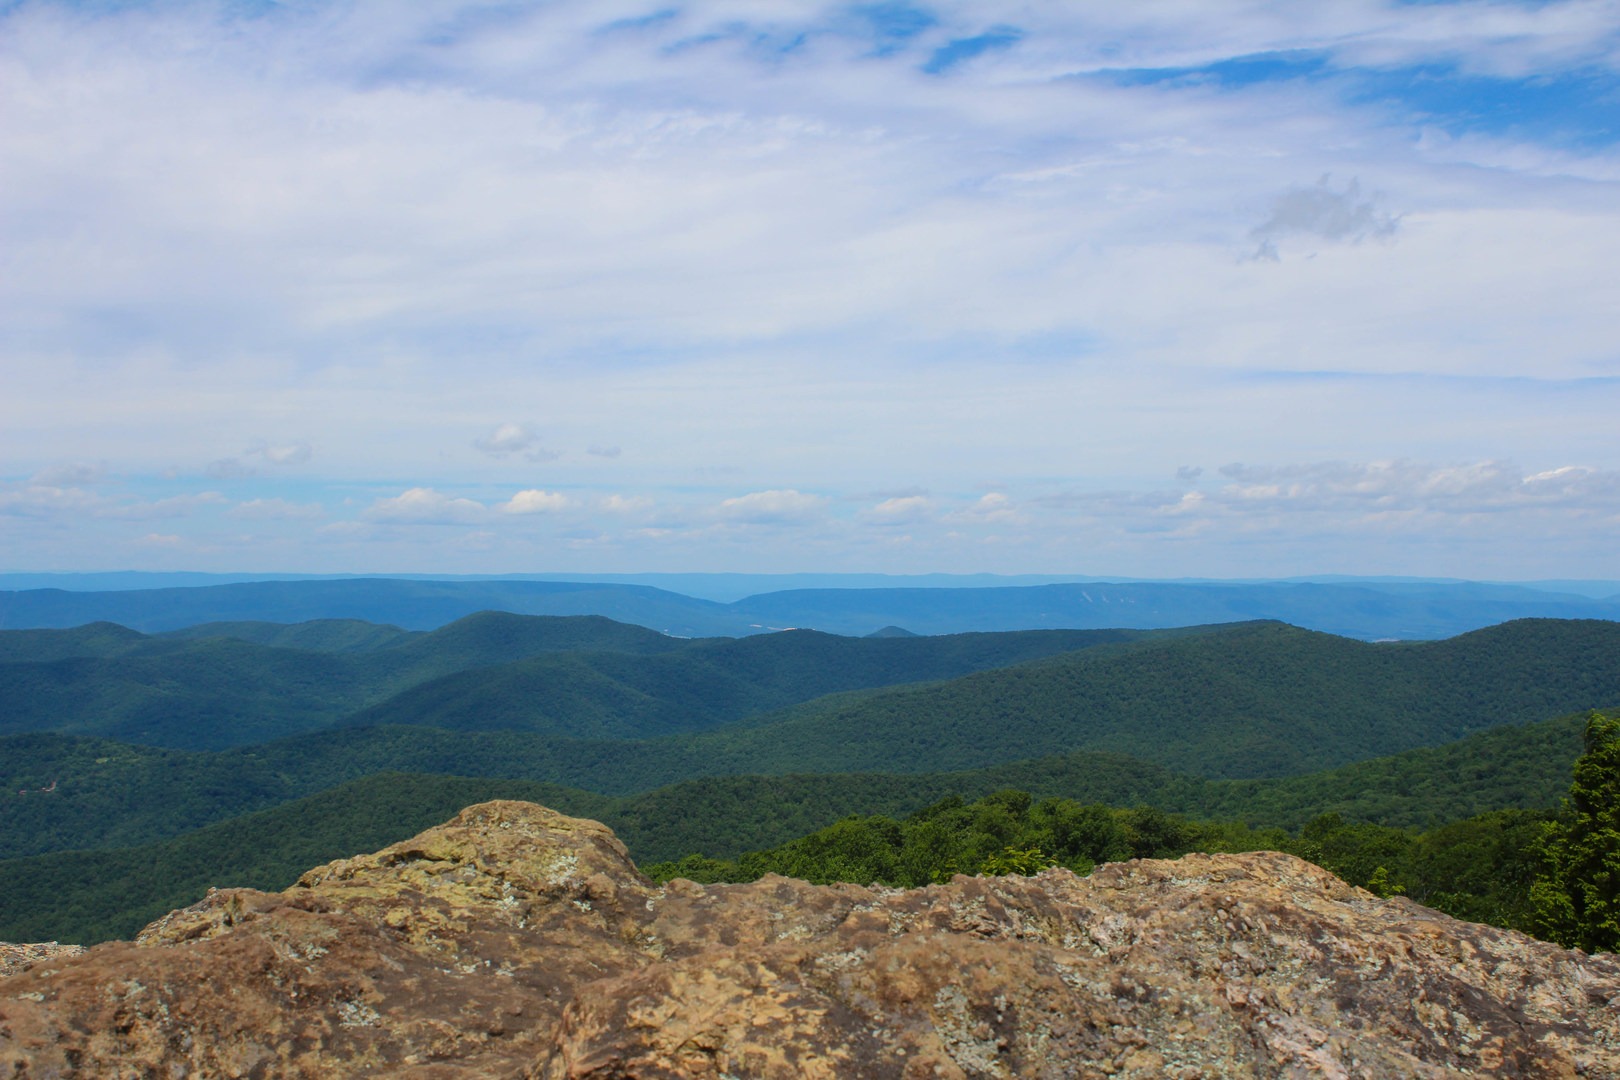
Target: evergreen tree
x=1576, y=900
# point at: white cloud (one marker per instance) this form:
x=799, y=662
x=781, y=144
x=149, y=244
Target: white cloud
x=784, y=506
x=535, y=501
x=1479, y=487
x=899, y=510
x=993, y=507
x=75, y=504
x=777, y=254
x=45, y=500
x=425, y=506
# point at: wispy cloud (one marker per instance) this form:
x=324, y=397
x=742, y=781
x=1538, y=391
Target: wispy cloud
x=47, y=501
x=78, y=474
x=425, y=506
x=756, y=263
x=1475, y=488
x=992, y=508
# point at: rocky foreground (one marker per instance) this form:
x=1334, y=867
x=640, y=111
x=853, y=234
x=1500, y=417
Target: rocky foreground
x=514, y=941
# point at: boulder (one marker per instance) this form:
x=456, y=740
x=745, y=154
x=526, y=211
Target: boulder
x=515, y=941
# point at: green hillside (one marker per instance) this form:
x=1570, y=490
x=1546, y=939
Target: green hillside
x=1098, y=717
x=1252, y=701
x=317, y=635
x=727, y=815
x=1507, y=768
x=1502, y=768
x=582, y=676
x=91, y=639
x=1479, y=869
x=817, y=827
x=498, y=637
x=217, y=691
x=1245, y=701
x=108, y=795
x=705, y=684
x=210, y=693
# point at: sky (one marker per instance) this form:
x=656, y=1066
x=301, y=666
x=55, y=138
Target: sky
x=1160, y=289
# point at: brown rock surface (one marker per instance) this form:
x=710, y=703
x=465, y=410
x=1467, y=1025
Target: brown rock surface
x=514, y=941
x=14, y=958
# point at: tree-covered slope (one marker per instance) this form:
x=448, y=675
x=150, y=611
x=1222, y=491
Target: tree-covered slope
x=1254, y=701
x=91, y=639
x=1502, y=768
x=822, y=828
x=1322, y=691
x=316, y=635
x=209, y=693
x=582, y=676
x=106, y=794
x=1486, y=868
x=214, y=690
x=705, y=684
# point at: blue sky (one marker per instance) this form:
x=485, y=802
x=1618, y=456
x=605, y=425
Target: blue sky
x=1167, y=289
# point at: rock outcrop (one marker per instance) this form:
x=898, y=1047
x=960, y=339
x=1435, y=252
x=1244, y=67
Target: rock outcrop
x=514, y=941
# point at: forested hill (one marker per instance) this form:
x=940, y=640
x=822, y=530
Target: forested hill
x=1364, y=609
x=714, y=683
x=721, y=745
x=626, y=709
x=1252, y=701
x=574, y=675
x=147, y=795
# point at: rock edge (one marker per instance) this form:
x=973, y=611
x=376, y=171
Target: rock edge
x=515, y=941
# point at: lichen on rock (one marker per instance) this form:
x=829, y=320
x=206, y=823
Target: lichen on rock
x=515, y=941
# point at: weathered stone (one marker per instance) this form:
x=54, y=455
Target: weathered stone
x=514, y=941
x=14, y=958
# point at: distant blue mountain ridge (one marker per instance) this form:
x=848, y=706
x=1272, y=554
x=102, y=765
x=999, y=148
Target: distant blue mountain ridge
x=1370, y=608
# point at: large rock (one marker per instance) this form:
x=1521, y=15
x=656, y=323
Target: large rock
x=514, y=941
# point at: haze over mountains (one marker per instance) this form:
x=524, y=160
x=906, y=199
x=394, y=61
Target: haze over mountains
x=1364, y=608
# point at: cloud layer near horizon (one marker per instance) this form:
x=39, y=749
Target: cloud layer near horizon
x=353, y=286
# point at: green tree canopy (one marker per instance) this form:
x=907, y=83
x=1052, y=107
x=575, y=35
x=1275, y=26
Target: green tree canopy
x=1576, y=900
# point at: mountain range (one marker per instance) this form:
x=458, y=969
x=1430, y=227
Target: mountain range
x=1370, y=609
x=231, y=751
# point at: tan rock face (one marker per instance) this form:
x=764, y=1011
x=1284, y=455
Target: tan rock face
x=514, y=941
x=14, y=958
